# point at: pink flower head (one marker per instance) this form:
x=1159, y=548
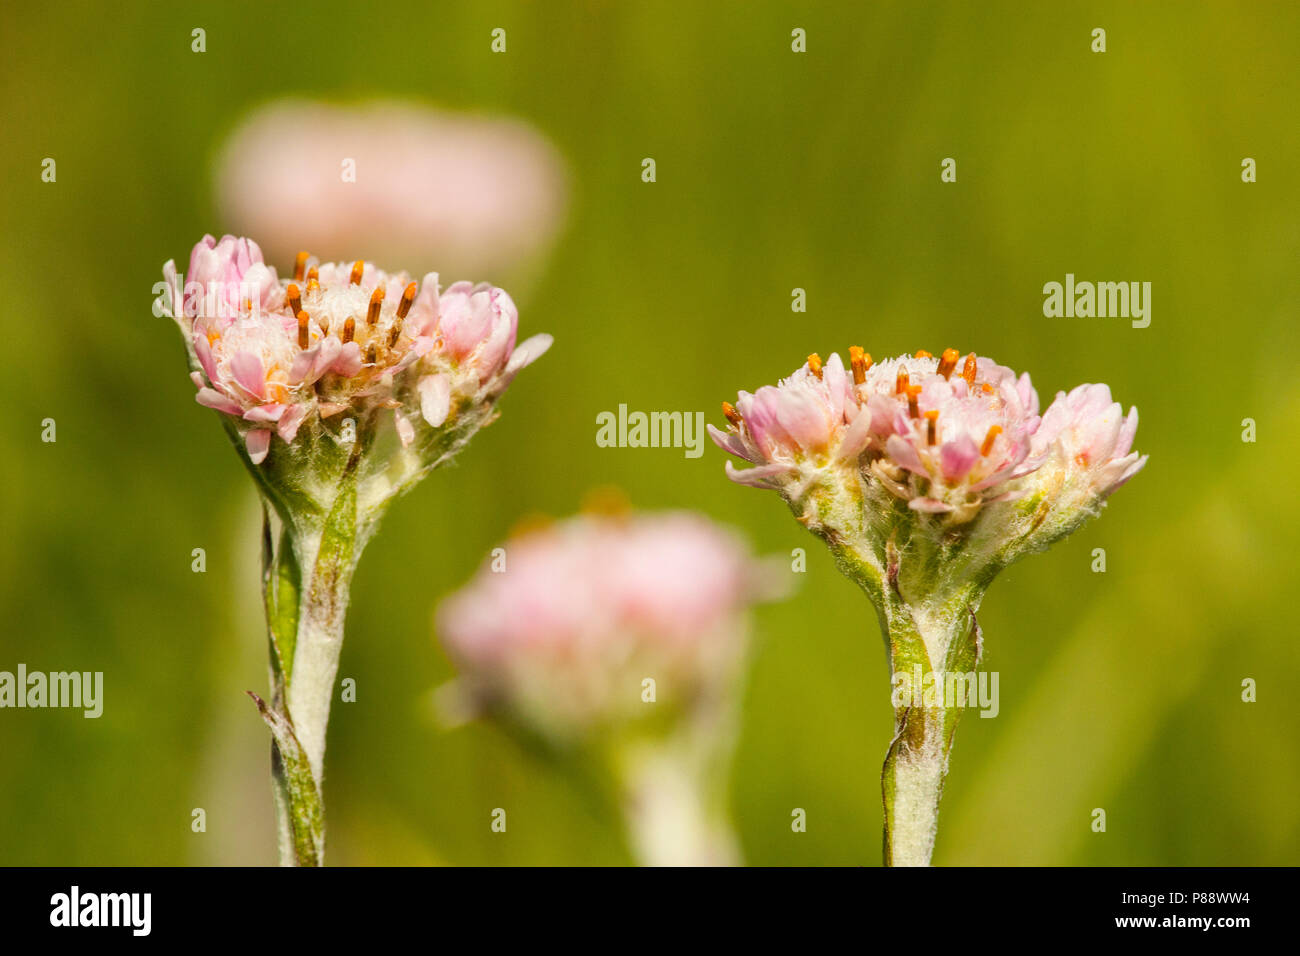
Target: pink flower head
x=477, y=324
x=1091, y=434
x=337, y=337
x=946, y=435
x=479, y=194
x=226, y=278
x=583, y=611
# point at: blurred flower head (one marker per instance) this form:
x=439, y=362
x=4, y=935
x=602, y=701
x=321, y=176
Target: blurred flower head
x=407, y=183
x=563, y=626
x=276, y=356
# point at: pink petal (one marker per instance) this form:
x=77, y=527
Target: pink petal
x=855, y=438
x=247, y=371
x=435, y=398
x=424, y=311
x=349, y=360
x=732, y=442
x=528, y=352
x=210, y=398
x=1130, y=471
x=1126, y=434
x=203, y=349
x=956, y=457
x=405, y=430
x=290, y=422
x=764, y=476
x=803, y=417
x=904, y=455
x=259, y=443
x=265, y=413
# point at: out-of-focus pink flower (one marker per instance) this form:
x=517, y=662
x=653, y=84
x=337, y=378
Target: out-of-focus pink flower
x=407, y=183
x=338, y=336
x=948, y=435
x=583, y=611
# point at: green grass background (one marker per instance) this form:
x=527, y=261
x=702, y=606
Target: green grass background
x=775, y=170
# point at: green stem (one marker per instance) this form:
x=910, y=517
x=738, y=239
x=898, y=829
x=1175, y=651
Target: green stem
x=933, y=643
x=674, y=808
x=934, y=658
x=305, y=616
x=319, y=639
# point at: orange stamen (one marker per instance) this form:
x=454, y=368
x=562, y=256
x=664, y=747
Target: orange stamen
x=994, y=431
x=931, y=420
x=733, y=416
x=312, y=273
x=987, y=388
x=295, y=299
x=303, y=337
x=313, y=286
x=376, y=300
x=948, y=362
x=299, y=264
x=358, y=267
x=922, y=353
x=968, y=370
x=861, y=361
x=815, y=364
x=349, y=329
x=900, y=383
x=913, y=392
x=408, y=297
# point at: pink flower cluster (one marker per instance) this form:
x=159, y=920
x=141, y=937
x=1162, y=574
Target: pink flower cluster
x=948, y=435
x=581, y=612
x=273, y=353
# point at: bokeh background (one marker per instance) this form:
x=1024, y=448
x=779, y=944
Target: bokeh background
x=775, y=170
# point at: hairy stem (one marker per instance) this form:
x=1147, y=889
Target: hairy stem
x=933, y=644
x=307, y=582
x=319, y=642
x=934, y=656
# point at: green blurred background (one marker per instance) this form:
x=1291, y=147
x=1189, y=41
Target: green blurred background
x=775, y=170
